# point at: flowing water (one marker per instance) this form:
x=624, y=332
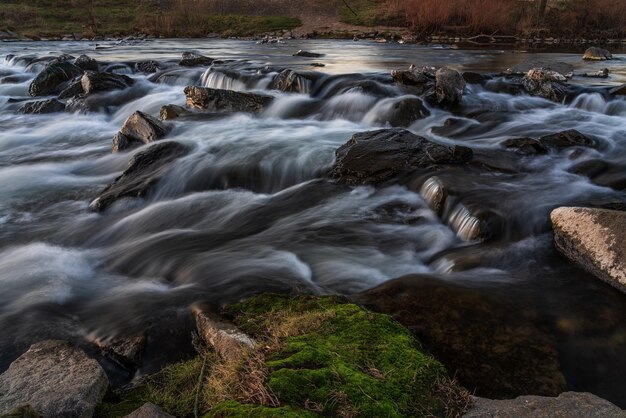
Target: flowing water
x=251, y=209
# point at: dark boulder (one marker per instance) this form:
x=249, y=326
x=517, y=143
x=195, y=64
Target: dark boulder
x=192, y=59
x=52, y=79
x=475, y=78
x=414, y=76
x=290, y=82
x=449, y=86
x=307, y=54
x=525, y=146
x=42, y=106
x=139, y=128
x=74, y=89
x=144, y=170
x=147, y=66
x=492, y=349
x=618, y=91
x=597, y=54
x=565, y=139
x=545, y=83
x=217, y=100
x=86, y=63
x=171, y=111
x=94, y=82
x=404, y=112
x=375, y=156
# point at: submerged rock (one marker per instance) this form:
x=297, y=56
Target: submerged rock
x=567, y=404
x=545, y=83
x=139, y=128
x=125, y=351
x=217, y=100
x=147, y=66
x=93, y=82
x=192, y=59
x=55, y=379
x=593, y=239
x=375, y=156
x=52, y=78
x=404, y=112
x=86, y=63
x=449, y=86
x=42, y=106
x=144, y=171
x=559, y=140
x=492, y=350
x=597, y=54
x=307, y=54
x=149, y=410
x=289, y=81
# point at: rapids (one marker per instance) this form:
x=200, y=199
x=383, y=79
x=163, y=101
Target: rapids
x=250, y=209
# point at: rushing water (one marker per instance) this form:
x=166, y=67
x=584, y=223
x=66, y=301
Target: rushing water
x=250, y=209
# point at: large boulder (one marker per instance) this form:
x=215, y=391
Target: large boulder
x=597, y=54
x=42, y=106
x=139, y=128
x=375, y=156
x=567, y=404
x=55, y=379
x=494, y=350
x=217, y=100
x=52, y=79
x=74, y=89
x=545, y=83
x=144, y=170
x=149, y=410
x=403, y=112
x=94, y=82
x=414, y=76
x=593, y=239
x=192, y=59
x=86, y=63
x=449, y=86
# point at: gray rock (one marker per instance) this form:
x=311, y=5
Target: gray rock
x=545, y=83
x=55, y=379
x=74, y=89
x=404, y=112
x=149, y=410
x=217, y=100
x=192, y=59
x=375, y=156
x=144, y=170
x=42, y=106
x=566, y=405
x=171, y=111
x=414, y=76
x=593, y=239
x=24, y=411
x=94, y=82
x=558, y=66
x=597, y=54
x=228, y=341
x=125, y=351
x=139, y=128
x=52, y=78
x=307, y=54
x=449, y=86
x=86, y=63
x=147, y=66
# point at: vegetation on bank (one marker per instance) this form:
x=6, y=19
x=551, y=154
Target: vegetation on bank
x=197, y=18
x=315, y=356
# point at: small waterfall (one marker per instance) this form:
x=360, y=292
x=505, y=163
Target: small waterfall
x=350, y=106
x=592, y=102
x=466, y=225
x=220, y=80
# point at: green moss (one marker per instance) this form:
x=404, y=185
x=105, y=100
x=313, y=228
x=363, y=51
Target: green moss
x=232, y=409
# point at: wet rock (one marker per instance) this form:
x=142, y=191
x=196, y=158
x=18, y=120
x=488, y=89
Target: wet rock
x=449, y=86
x=525, y=146
x=375, y=156
x=149, y=410
x=94, y=82
x=492, y=349
x=74, y=89
x=564, y=139
x=125, y=351
x=404, y=112
x=144, y=171
x=289, y=81
x=567, y=404
x=545, y=83
x=307, y=54
x=14, y=78
x=474, y=78
x=192, y=59
x=51, y=79
x=217, y=100
x=147, y=66
x=593, y=239
x=618, y=91
x=171, y=111
x=603, y=173
x=139, y=128
x=55, y=379
x=86, y=63
x=414, y=76
x=42, y=106
x=228, y=341
x=597, y=54
x=558, y=66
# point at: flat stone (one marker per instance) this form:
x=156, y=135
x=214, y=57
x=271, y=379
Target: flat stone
x=594, y=239
x=566, y=405
x=192, y=59
x=42, y=106
x=149, y=410
x=218, y=100
x=94, y=82
x=228, y=341
x=55, y=379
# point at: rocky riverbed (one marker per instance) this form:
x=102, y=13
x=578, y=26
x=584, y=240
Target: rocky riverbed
x=137, y=183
